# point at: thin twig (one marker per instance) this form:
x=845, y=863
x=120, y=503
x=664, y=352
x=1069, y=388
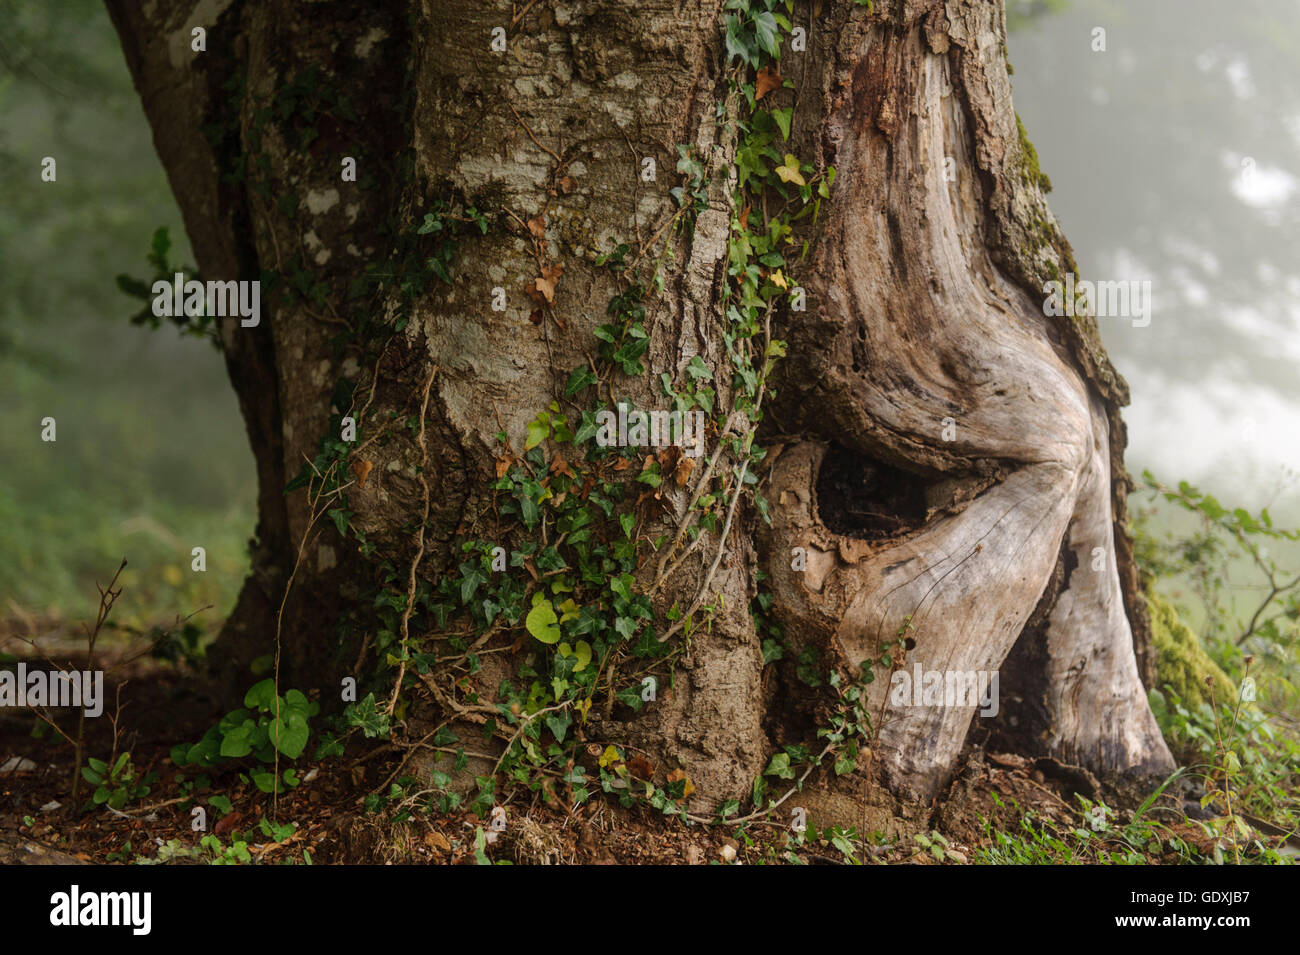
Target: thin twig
x=419, y=552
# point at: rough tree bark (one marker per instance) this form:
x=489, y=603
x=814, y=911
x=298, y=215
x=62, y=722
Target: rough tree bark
x=948, y=457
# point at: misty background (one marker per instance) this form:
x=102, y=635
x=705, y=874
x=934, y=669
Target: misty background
x=1175, y=157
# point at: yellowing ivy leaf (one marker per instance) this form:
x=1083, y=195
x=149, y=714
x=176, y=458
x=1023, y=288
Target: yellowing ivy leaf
x=688, y=787
x=582, y=653
x=569, y=611
x=609, y=757
x=790, y=171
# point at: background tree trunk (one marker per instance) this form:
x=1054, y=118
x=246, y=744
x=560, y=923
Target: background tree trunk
x=976, y=537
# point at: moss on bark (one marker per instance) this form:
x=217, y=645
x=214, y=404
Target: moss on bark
x=1182, y=662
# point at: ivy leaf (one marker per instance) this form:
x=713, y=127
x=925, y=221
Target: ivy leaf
x=559, y=724
x=580, y=378
x=698, y=370
x=737, y=46
x=847, y=761
x=541, y=621
x=539, y=429
x=470, y=583
x=340, y=518
x=779, y=766
x=631, y=696
x=765, y=31
x=529, y=511
x=789, y=172
x=587, y=429
x=622, y=586
x=783, y=117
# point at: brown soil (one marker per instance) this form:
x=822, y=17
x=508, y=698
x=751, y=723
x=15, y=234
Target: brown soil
x=159, y=710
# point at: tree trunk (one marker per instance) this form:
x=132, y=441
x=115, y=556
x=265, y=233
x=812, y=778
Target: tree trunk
x=944, y=462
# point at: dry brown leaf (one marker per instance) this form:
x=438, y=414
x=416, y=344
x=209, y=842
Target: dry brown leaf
x=542, y=289
x=682, y=473
x=568, y=184
x=768, y=79
x=537, y=226
x=362, y=468
x=640, y=766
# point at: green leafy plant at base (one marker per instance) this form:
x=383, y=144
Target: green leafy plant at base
x=267, y=724
x=118, y=784
x=1228, y=702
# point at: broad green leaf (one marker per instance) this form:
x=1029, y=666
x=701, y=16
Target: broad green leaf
x=539, y=429
x=290, y=736
x=261, y=695
x=541, y=621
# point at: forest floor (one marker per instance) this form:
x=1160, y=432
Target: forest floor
x=325, y=819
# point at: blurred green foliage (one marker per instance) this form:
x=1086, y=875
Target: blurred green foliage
x=151, y=459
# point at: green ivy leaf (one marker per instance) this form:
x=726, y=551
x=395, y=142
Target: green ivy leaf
x=783, y=117
x=340, y=518
x=580, y=378
x=779, y=766
x=541, y=621
x=539, y=429
x=765, y=31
